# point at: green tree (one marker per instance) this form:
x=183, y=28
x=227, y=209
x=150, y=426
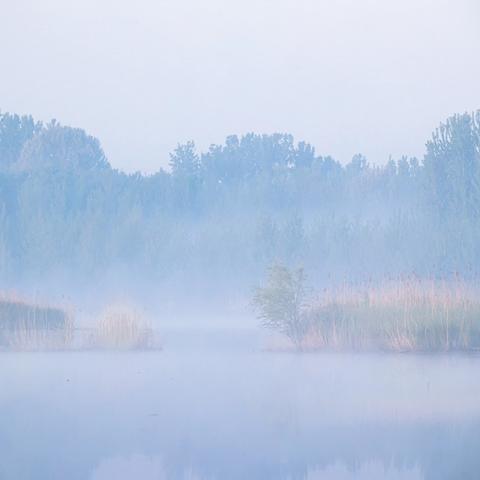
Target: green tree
x=4, y=253
x=281, y=303
x=15, y=131
x=184, y=161
x=452, y=167
x=185, y=166
x=62, y=148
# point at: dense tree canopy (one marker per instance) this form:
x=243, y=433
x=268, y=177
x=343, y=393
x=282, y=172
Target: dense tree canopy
x=237, y=208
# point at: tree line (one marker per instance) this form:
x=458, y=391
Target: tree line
x=224, y=215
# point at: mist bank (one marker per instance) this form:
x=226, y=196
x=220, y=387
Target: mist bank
x=210, y=226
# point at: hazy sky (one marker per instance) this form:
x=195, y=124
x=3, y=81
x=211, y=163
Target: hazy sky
x=370, y=76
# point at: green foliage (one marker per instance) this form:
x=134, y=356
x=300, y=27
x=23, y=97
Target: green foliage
x=281, y=303
x=15, y=131
x=184, y=161
x=55, y=147
x=452, y=167
x=226, y=214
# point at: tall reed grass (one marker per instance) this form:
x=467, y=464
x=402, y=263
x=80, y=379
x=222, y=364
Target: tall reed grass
x=399, y=315
x=28, y=326
x=123, y=328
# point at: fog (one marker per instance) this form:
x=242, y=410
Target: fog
x=349, y=76
x=239, y=240
x=208, y=413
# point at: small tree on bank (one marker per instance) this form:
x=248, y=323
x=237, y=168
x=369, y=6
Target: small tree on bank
x=280, y=303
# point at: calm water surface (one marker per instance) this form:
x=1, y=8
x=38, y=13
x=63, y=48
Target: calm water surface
x=217, y=410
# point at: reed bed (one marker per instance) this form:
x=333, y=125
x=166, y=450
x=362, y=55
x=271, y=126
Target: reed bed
x=28, y=326
x=401, y=315
x=123, y=328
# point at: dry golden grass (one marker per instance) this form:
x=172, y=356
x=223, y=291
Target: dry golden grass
x=123, y=328
x=400, y=315
x=28, y=326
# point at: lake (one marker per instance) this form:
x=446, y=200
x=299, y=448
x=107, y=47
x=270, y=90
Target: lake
x=210, y=406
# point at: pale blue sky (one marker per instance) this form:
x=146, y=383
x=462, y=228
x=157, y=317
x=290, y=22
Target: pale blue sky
x=370, y=76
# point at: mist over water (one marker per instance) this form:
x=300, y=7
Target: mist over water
x=200, y=411
x=240, y=240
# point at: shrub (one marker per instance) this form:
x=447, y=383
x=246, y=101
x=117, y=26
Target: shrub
x=281, y=303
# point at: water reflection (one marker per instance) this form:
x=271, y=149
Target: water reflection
x=151, y=468
x=129, y=468
x=241, y=415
